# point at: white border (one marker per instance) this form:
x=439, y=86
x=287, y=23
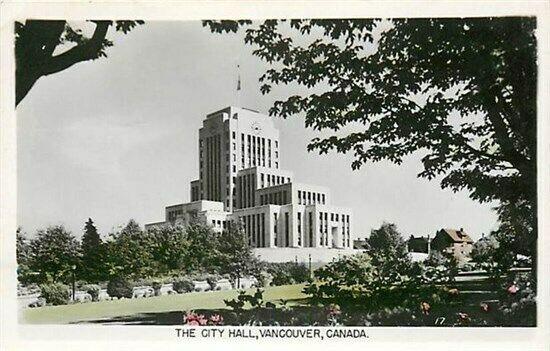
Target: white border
x=24, y=337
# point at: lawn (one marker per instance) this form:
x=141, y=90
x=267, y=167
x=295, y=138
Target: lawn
x=111, y=310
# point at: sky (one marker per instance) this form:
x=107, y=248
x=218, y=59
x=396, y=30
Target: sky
x=117, y=138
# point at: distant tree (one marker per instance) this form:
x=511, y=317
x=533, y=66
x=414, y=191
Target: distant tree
x=495, y=254
x=22, y=246
x=129, y=252
x=53, y=253
x=385, y=238
x=93, y=268
x=459, y=91
x=440, y=267
x=484, y=248
x=236, y=256
x=37, y=40
x=169, y=247
x=23, y=254
x=203, y=249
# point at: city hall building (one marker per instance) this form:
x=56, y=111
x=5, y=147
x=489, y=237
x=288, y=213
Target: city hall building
x=241, y=180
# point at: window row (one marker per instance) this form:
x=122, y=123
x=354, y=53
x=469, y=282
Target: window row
x=276, y=198
x=267, y=180
x=310, y=198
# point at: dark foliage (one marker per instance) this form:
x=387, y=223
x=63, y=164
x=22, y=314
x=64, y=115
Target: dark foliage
x=92, y=268
x=183, y=285
x=459, y=92
x=36, y=41
x=55, y=293
x=53, y=254
x=119, y=287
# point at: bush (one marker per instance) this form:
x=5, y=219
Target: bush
x=287, y=273
x=183, y=285
x=120, y=287
x=300, y=273
x=212, y=281
x=55, y=293
x=282, y=278
x=440, y=267
x=157, y=285
x=518, y=305
x=93, y=290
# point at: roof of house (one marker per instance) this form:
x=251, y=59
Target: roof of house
x=458, y=235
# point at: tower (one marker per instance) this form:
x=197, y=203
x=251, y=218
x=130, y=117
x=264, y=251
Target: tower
x=230, y=140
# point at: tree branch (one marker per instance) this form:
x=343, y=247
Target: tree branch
x=79, y=53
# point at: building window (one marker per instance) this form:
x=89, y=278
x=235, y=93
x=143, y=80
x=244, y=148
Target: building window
x=299, y=197
x=299, y=229
x=323, y=199
x=276, y=164
x=263, y=229
x=287, y=231
x=310, y=226
x=275, y=228
x=233, y=135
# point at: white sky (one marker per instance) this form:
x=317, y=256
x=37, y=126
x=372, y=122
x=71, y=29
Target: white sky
x=117, y=138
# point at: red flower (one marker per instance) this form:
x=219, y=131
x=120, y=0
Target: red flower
x=333, y=310
x=463, y=318
x=192, y=318
x=216, y=319
x=512, y=289
x=484, y=307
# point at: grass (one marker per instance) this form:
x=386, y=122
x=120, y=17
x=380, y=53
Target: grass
x=117, y=308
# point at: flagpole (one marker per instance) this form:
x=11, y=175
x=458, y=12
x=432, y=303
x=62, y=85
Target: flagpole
x=238, y=86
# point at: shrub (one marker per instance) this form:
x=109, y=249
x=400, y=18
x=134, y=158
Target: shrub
x=282, y=278
x=518, y=300
x=157, y=285
x=119, y=287
x=370, y=282
x=55, y=293
x=212, y=281
x=286, y=273
x=183, y=285
x=440, y=267
x=93, y=290
x=299, y=273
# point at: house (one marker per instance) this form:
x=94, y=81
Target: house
x=418, y=244
x=457, y=242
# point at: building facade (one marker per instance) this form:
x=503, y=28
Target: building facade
x=453, y=241
x=240, y=180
